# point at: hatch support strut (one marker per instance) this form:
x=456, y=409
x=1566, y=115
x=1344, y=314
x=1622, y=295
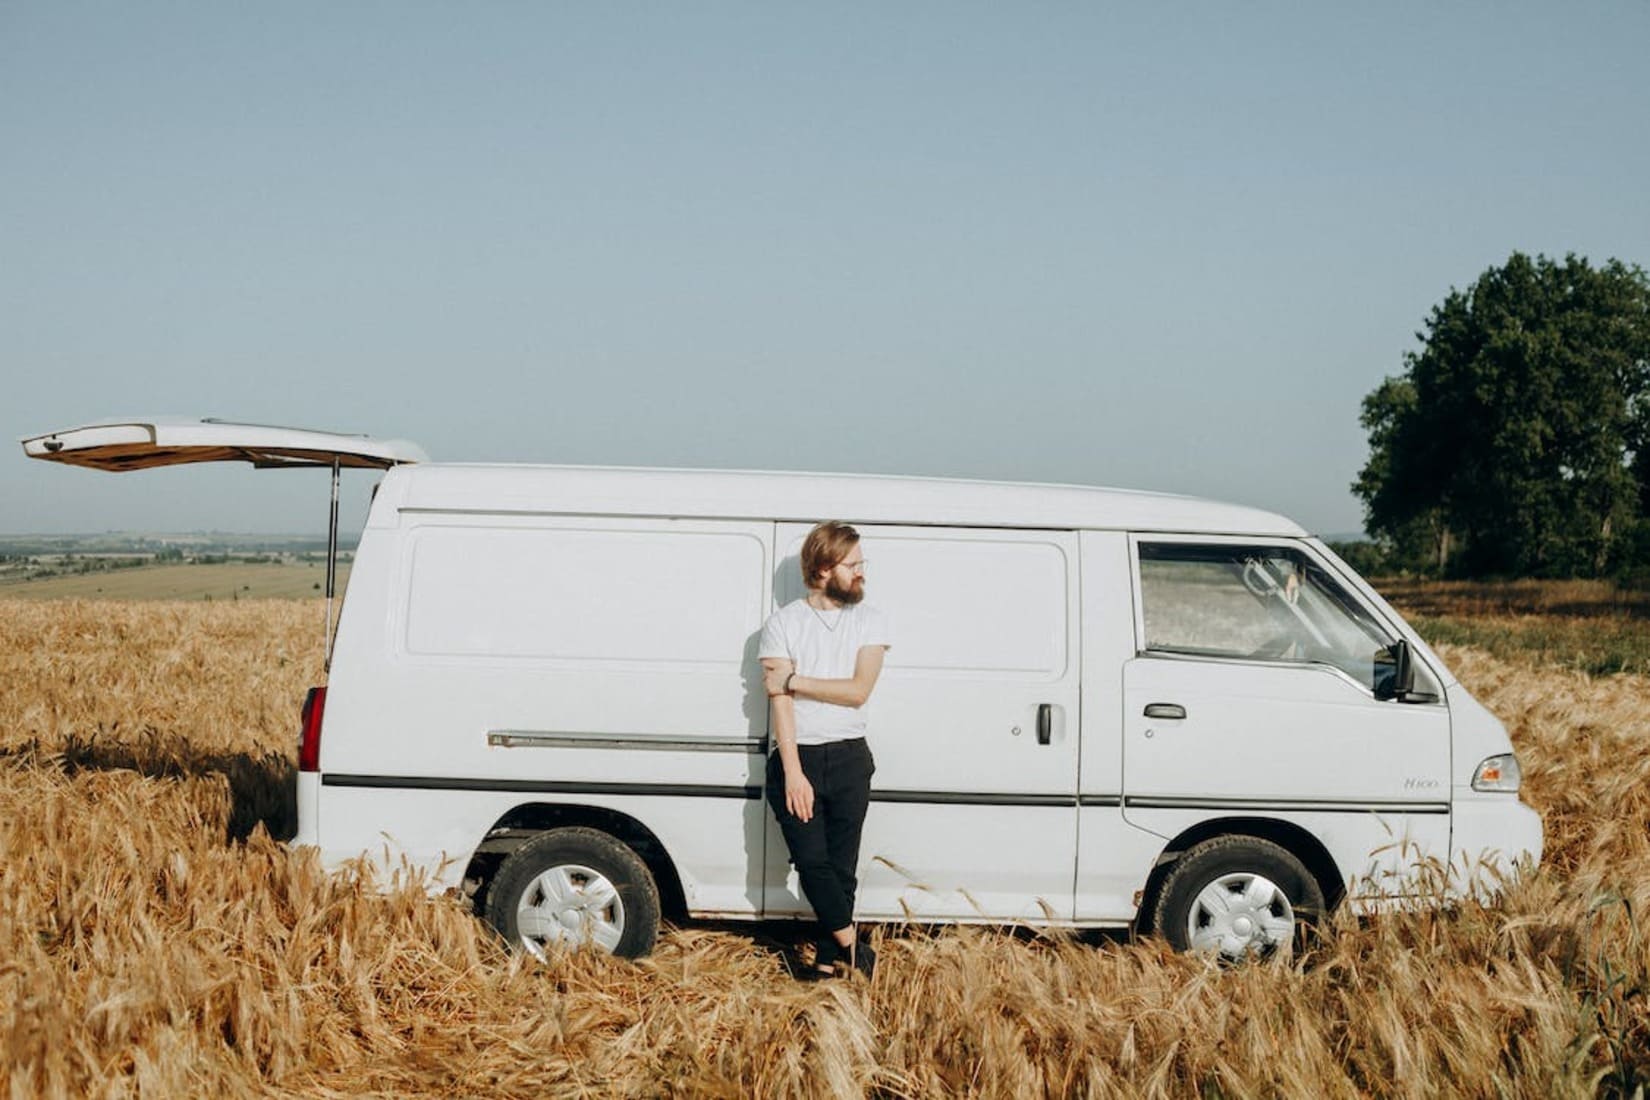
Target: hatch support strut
x=332, y=564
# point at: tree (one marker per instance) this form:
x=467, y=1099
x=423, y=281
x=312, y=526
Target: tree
x=1515, y=440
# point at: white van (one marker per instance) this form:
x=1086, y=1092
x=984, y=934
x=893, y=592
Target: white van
x=1104, y=708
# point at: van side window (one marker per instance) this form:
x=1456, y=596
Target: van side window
x=1270, y=603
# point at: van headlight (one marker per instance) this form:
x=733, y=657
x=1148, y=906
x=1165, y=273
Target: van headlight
x=1498, y=773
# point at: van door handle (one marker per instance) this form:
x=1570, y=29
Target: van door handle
x=1165, y=710
x=1045, y=723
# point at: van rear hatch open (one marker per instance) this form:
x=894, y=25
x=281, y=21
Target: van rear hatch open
x=146, y=444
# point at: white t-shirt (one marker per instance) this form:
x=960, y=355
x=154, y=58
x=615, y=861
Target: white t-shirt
x=825, y=646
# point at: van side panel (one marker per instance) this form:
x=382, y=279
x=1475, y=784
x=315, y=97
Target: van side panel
x=431, y=834
x=487, y=662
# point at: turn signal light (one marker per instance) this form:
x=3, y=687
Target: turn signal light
x=1498, y=773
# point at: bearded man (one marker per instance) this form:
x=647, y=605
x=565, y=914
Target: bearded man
x=821, y=656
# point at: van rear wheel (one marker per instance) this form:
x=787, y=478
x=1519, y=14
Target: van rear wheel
x=573, y=887
x=1236, y=897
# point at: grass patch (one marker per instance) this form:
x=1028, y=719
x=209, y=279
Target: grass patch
x=1599, y=647
x=1576, y=599
x=1595, y=627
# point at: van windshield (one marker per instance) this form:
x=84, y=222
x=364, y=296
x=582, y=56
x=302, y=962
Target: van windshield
x=1269, y=603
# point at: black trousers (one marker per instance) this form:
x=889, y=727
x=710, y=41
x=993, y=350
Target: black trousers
x=825, y=848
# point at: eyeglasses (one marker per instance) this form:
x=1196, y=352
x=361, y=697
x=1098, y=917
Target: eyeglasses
x=852, y=566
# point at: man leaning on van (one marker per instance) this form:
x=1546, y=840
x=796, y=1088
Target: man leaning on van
x=821, y=656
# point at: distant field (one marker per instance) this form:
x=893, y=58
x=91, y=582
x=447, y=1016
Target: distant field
x=222, y=581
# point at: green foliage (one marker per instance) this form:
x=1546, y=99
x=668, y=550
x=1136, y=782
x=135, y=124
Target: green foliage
x=1367, y=557
x=1515, y=441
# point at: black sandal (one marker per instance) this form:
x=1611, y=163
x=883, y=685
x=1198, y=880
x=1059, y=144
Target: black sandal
x=826, y=953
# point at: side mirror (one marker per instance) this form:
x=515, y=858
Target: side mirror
x=1401, y=683
x=1404, y=681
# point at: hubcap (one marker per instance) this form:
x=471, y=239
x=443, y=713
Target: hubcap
x=1240, y=913
x=570, y=905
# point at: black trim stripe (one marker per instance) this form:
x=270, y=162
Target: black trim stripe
x=942, y=798
x=1286, y=805
x=670, y=790
x=538, y=786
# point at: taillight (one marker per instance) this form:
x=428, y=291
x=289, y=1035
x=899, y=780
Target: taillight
x=309, y=744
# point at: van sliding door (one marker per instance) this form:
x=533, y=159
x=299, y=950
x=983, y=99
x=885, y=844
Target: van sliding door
x=974, y=725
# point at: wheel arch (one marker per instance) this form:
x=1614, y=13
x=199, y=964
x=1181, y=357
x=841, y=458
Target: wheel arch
x=1286, y=834
x=522, y=823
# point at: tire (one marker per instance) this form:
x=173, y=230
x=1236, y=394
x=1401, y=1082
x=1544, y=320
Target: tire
x=575, y=887
x=1237, y=896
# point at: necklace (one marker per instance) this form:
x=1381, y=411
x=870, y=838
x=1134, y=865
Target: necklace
x=823, y=621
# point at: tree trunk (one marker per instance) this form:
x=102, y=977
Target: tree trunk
x=1442, y=541
x=1602, y=558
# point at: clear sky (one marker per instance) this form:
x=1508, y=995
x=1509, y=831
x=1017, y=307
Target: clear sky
x=1163, y=246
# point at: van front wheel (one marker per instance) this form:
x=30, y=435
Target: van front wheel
x=1237, y=896
x=572, y=887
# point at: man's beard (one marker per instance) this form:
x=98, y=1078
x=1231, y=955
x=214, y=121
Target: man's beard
x=846, y=596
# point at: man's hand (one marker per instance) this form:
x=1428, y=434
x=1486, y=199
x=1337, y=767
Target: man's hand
x=774, y=674
x=799, y=795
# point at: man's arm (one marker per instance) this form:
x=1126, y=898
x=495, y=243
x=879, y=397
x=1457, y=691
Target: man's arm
x=799, y=793
x=845, y=693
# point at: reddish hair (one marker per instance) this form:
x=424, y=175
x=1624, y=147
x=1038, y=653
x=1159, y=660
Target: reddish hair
x=824, y=549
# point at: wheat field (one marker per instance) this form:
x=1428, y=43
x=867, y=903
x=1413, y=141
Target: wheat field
x=156, y=939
